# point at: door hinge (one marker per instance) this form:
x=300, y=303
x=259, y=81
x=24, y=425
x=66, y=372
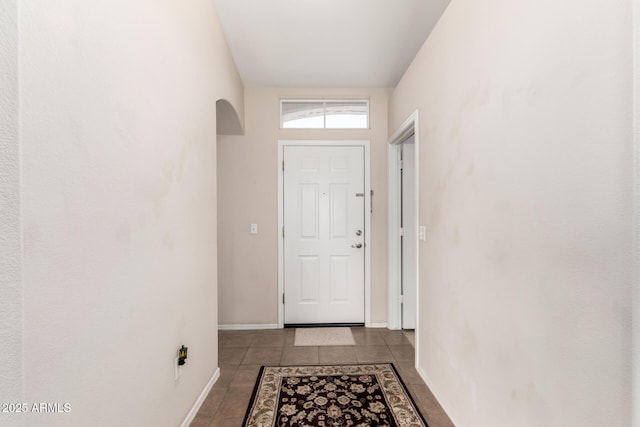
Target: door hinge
x=283, y=165
x=282, y=298
x=401, y=232
x=401, y=299
x=401, y=164
x=283, y=232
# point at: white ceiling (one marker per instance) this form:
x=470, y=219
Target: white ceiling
x=326, y=43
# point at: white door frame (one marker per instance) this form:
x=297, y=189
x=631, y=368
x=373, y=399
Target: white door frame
x=635, y=388
x=409, y=126
x=367, y=218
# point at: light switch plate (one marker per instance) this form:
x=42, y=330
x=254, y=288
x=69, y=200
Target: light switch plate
x=254, y=228
x=422, y=233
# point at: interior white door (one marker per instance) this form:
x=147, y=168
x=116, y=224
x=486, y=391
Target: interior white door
x=409, y=236
x=324, y=234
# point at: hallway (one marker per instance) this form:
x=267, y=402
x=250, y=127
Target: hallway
x=243, y=352
x=140, y=198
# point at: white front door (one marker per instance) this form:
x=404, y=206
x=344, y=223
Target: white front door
x=324, y=234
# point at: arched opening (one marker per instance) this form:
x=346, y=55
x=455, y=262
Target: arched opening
x=228, y=122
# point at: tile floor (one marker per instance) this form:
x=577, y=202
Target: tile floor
x=241, y=353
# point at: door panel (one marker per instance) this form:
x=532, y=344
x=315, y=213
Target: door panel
x=323, y=211
x=308, y=211
x=339, y=211
x=339, y=279
x=309, y=279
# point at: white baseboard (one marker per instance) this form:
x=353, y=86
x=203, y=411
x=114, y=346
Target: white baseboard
x=421, y=373
x=247, y=327
x=377, y=325
x=205, y=392
x=435, y=393
x=275, y=326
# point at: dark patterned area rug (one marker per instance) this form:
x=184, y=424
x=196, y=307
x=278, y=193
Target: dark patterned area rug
x=331, y=396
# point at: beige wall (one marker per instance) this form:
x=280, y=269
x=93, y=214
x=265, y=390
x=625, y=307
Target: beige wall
x=525, y=185
x=11, y=375
x=247, y=188
x=118, y=152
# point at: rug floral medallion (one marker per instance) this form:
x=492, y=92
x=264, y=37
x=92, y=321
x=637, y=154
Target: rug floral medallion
x=331, y=396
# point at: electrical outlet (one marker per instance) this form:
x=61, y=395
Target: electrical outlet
x=254, y=228
x=178, y=371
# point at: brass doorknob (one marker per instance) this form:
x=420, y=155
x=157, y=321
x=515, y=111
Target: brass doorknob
x=357, y=246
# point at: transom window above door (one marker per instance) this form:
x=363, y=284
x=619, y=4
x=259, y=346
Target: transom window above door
x=324, y=113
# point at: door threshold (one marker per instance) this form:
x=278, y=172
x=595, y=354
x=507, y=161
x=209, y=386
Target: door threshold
x=322, y=325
